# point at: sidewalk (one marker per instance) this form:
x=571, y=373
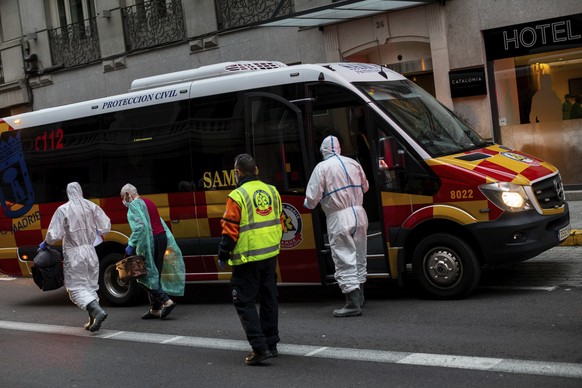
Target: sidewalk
x=574, y=199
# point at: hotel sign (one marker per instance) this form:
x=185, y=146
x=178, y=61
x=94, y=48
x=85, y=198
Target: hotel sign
x=467, y=82
x=530, y=38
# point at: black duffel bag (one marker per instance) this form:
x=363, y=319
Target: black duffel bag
x=47, y=257
x=48, y=273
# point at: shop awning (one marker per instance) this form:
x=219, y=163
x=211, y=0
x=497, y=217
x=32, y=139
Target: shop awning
x=340, y=11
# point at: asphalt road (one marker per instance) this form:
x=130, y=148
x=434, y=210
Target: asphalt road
x=520, y=328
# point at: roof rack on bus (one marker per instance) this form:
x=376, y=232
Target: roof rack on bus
x=209, y=71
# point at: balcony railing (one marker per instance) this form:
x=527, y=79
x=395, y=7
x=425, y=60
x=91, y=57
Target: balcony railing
x=239, y=13
x=153, y=23
x=75, y=44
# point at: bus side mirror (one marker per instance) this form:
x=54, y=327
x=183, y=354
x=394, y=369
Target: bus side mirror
x=391, y=158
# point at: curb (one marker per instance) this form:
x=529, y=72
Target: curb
x=574, y=239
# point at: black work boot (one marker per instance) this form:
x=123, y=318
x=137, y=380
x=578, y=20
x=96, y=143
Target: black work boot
x=98, y=315
x=352, y=307
x=274, y=351
x=255, y=357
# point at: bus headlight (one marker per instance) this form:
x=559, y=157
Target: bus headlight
x=507, y=196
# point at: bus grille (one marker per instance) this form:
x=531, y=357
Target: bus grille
x=550, y=192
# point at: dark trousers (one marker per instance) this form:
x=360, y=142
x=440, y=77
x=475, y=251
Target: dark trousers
x=158, y=297
x=250, y=282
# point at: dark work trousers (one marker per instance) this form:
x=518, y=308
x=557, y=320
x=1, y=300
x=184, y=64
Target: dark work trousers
x=158, y=297
x=257, y=280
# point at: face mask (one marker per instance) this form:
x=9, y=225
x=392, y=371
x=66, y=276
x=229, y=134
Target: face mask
x=126, y=202
x=236, y=175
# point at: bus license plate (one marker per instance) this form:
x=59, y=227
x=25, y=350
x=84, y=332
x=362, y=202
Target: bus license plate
x=564, y=233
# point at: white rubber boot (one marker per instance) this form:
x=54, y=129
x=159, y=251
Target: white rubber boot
x=352, y=307
x=362, y=299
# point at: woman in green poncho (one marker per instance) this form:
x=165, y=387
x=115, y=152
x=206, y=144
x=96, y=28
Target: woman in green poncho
x=152, y=239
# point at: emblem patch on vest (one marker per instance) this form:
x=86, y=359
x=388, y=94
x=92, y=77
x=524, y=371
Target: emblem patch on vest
x=263, y=203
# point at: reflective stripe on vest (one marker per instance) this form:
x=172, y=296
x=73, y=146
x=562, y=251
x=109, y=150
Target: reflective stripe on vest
x=259, y=235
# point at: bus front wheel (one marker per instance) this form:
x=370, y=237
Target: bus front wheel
x=445, y=266
x=116, y=291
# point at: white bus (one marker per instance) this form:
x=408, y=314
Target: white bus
x=443, y=201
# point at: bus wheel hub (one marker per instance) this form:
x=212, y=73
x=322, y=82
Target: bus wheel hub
x=443, y=267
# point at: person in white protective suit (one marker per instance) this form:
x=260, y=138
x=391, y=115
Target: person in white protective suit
x=339, y=184
x=77, y=223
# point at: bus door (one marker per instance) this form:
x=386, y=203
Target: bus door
x=336, y=111
x=275, y=137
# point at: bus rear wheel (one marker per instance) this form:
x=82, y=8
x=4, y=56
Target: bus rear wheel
x=116, y=291
x=445, y=266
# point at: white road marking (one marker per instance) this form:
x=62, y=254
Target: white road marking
x=543, y=368
x=172, y=339
x=527, y=288
x=113, y=334
x=313, y=353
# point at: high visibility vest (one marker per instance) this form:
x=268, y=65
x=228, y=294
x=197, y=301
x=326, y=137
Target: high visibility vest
x=260, y=228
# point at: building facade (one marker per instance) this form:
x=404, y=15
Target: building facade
x=505, y=66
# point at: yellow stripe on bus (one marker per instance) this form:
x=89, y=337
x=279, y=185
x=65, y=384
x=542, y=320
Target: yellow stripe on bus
x=398, y=199
x=453, y=213
x=393, y=261
x=7, y=253
x=4, y=127
x=216, y=197
x=185, y=228
x=478, y=210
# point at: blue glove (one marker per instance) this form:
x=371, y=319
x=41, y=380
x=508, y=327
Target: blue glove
x=43, y=246
x=223, y=257
x=129, y=250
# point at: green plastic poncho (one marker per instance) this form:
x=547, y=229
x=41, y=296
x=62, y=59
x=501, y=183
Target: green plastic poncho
x=173, y=272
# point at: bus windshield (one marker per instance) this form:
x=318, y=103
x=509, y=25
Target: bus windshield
x=426, y=120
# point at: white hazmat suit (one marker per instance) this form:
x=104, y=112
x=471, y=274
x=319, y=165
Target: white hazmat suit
x=76, y=223
x=339, y=184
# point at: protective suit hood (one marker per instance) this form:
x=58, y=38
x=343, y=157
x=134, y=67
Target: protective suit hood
x=330, y=146
x=74, y=191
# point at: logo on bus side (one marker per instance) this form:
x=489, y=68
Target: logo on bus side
x=139, y=99
x=521, y=158
x=293, y=226
x=216, y=179
x=16, y=193
x=25, y=223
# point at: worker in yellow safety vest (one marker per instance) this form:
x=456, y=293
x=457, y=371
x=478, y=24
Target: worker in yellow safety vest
x=252, y=228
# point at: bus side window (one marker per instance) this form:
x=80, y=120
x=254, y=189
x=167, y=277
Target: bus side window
x=217, y=137
x=148, y=147
x=398, y=170
x=276, y=145
x=72, y=143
